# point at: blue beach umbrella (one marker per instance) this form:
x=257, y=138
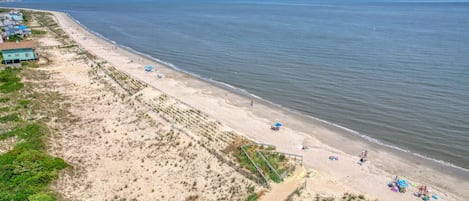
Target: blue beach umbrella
x=148, y=68
x=402, y=183
x=277, y=124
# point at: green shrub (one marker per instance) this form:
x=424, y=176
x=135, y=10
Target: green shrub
x=27, y=170
x=14, y=38
x=4, y=100
x=24, y=103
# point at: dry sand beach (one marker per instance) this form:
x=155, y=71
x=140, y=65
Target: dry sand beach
x=120, y=147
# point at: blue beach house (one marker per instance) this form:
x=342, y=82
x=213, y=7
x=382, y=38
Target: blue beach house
x=16, y=52
x=16, y=16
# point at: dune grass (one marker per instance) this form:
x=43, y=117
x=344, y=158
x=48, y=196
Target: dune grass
x=10, y=117
x=9, y=80
x=37, y=32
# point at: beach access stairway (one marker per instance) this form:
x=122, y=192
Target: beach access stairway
x=270, y=164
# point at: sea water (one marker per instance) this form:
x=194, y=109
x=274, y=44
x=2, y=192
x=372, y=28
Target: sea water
x=397, y=72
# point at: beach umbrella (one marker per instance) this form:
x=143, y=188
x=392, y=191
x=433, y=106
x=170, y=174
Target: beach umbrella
x=402, y=183
x=148, y=68
x=277, y=124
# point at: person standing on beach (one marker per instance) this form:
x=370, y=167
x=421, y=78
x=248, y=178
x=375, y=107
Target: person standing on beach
x=363, y=156
x=252, y=102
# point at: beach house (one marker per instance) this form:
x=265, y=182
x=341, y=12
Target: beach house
x=16, y=52
x=12, y=25
x=16, y=15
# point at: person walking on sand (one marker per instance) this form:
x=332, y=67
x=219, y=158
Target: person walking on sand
x=252, y=102
x=363, y=156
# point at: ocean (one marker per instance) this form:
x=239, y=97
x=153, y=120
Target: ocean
x=395, y=71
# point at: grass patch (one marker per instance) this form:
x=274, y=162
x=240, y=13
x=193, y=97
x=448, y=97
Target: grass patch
x=4, y=109
x=4, y=99
x=9, y=81
x=41, y=197
x=278, y=161
x=24, y=103
x=10, y=117
x=29, y=64
x=26, y=171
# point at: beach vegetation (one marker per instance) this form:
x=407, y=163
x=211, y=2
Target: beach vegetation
x=29, y=64
x=36, y=32
x=33, y=65
x=26, y=16
x=70, y=46
x=271, y=163
x=252, y=197
x=4, y=109
x=9, y=81
x=41, y=197
x=345, y=197
x=9, y=118
x=14, y=38
x=24, y=103
x=27, y=170
x=4, y=99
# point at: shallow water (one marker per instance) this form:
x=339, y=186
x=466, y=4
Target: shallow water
x=397, y=72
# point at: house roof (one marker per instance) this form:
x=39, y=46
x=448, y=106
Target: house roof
x=14, y=45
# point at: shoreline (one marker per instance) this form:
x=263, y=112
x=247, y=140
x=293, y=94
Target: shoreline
x=347, y=132
x=291, y=118
x=320, y=136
